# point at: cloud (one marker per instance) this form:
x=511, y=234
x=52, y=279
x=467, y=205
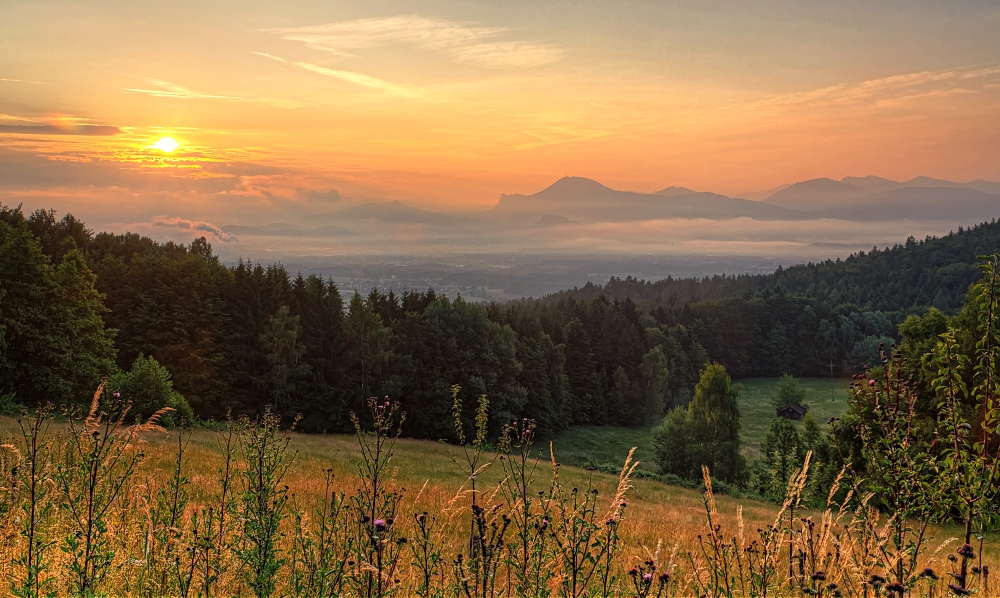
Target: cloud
x=896, y=87
x=172, y=90
x=94, y=130
x=358, y=79
x=195, y=226
x=481, y=46
x=348, y=76
x=25, y=81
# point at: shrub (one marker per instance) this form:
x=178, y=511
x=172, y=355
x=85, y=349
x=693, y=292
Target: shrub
x=149, y=388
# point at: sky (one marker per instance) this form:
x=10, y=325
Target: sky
x=281, y=106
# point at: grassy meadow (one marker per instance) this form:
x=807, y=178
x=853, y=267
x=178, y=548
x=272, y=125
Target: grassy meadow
x=825, y=398
x=586, y=534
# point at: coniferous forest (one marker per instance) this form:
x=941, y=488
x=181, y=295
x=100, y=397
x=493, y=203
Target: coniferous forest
x=78, y=306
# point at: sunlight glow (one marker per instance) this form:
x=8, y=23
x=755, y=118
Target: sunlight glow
x=166, y=144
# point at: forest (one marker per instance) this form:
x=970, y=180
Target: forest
x=76, y=307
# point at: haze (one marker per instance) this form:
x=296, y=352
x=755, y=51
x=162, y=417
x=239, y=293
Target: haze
x=296, y=126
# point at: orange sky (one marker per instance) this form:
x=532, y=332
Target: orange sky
x=449, y=104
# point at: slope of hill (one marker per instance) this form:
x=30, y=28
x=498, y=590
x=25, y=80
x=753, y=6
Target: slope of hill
x=912, y=276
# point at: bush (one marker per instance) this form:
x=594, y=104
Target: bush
x=149, y=388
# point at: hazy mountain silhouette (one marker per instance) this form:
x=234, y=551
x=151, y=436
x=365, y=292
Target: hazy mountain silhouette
x=816, y=194
x=586, y=200
x=569, y=214
x=922, y=203
x=671, y=191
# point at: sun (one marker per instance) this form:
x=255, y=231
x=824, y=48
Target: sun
x=166, y=144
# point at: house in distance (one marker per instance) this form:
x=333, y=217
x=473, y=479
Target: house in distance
x=794, y=412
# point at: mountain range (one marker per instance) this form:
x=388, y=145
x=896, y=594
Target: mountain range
x=573, y=212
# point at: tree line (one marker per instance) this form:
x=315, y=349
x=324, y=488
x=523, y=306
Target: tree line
x=77, y=306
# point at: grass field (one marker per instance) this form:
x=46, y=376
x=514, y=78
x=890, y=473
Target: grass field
x=825, y=398
x=656, y=513
x=431, y=481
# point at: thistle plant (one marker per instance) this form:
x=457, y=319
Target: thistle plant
x=216, y=537
x=530, y=514
x=968, y=458
x=473, y=461
x=898, y=469
x=263, y=449
x=586, y=537
x=164, y=535
x=427, y=558
x=34, y=579
x=377, y=539
x=320, y=547
x=98, y=463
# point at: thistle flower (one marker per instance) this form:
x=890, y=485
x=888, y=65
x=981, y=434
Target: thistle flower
x=819, y=576
x=966, y=551
x=958, y=590
x=895, y=588
x=929, y=573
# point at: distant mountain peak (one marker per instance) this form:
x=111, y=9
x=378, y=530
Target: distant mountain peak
x=672, y=190
x=574, y=185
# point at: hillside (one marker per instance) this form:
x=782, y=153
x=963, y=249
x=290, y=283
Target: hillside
x=907, y=277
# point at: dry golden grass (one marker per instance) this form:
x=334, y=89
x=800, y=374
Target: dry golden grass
x=662, y=522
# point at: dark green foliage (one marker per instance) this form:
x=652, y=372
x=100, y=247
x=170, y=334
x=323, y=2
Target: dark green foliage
x=790, y=392
x=706, y=434
x=246, y=337
x=148, y=387
x=55, y=344
x=262, y=499
x=783, y=453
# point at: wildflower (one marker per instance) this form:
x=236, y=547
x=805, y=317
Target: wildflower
x=380, y=524
x=929, y=573
x=958, y=590
x=876, y=580
x=647, y=577
x=664, y=578
x=871, y=383
x=965, y=550
x=633, y=572
x=117, y=395
x=819, y=576
x=895, y=588
x=959, y=578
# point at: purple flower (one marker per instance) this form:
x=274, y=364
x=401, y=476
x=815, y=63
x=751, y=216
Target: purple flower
x=958, y=590
x=380, y=524
x=117, y=395
x=871, y=383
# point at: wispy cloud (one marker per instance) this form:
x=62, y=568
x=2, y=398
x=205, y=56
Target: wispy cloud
x=195, y=226
x=885, y=91
x=167, y=89
x=72, y=129
x=484, y=46
x=24, y=81
x=348, y=76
